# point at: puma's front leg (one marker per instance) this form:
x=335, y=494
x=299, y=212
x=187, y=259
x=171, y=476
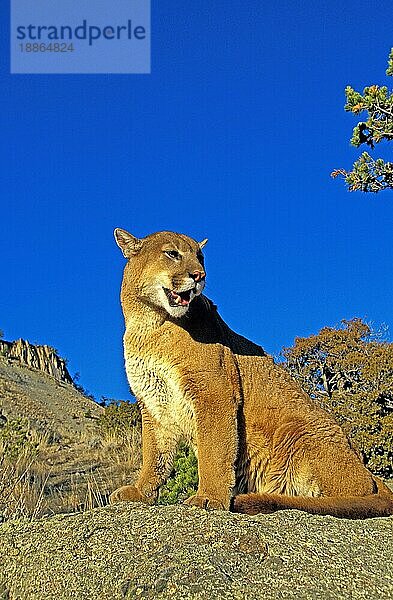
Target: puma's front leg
x=216, y=424
x=157, y=457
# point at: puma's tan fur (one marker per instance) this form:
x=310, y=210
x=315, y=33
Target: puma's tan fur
x=262, y=443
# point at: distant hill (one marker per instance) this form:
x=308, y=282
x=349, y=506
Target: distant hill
x=44, y=358
x=35, y=384
x=79, y=460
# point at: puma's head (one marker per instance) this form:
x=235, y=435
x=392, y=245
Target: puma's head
x=164, y=270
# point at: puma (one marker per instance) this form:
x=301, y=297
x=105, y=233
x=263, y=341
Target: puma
x=262, y=443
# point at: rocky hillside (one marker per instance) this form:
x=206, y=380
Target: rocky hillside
x=130, y=551
x=50, y=403
x=43, y=358
x=74, y=465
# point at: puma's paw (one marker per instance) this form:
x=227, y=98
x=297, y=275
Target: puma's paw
x=206, y=502
x=127, y=492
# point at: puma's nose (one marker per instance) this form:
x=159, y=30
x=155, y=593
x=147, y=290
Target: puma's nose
x=198, y=275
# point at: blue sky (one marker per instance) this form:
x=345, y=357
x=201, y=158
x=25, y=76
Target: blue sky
x=232, y=137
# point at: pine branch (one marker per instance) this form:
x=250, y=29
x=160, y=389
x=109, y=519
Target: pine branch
x=368, y=174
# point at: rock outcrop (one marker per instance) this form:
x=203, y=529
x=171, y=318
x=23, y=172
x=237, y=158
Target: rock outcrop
x=131, y=551
x=71, y=466
x=46, y=402
x=43, y=358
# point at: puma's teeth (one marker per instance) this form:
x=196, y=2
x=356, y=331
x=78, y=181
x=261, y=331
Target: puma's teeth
x=178, y=298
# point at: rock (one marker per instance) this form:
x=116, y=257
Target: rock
x=51, y=405
x=129, y=551
x=43, y=358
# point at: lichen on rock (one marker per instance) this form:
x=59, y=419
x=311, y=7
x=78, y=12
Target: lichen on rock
x=133, y=551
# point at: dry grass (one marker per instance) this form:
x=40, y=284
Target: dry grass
x=19, y=496
x=116, y=457
x=23, y=476
x=39, y=478
x=78, y=497
x=122, y=450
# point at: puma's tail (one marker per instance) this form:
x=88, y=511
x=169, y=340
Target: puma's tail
x=379, y=504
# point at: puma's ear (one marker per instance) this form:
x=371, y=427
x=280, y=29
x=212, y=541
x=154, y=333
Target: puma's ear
x=127, y=243
x=203, y=243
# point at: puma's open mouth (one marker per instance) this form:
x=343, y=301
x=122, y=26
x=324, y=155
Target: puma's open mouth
x=178, y=298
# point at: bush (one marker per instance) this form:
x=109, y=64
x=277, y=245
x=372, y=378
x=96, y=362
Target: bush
x=118, y=418
x=348, y=370
x=183, y=481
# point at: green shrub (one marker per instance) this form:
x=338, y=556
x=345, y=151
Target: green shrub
x=118, y=418
x=183, y=481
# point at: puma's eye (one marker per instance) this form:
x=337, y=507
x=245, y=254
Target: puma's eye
x=174, y=254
